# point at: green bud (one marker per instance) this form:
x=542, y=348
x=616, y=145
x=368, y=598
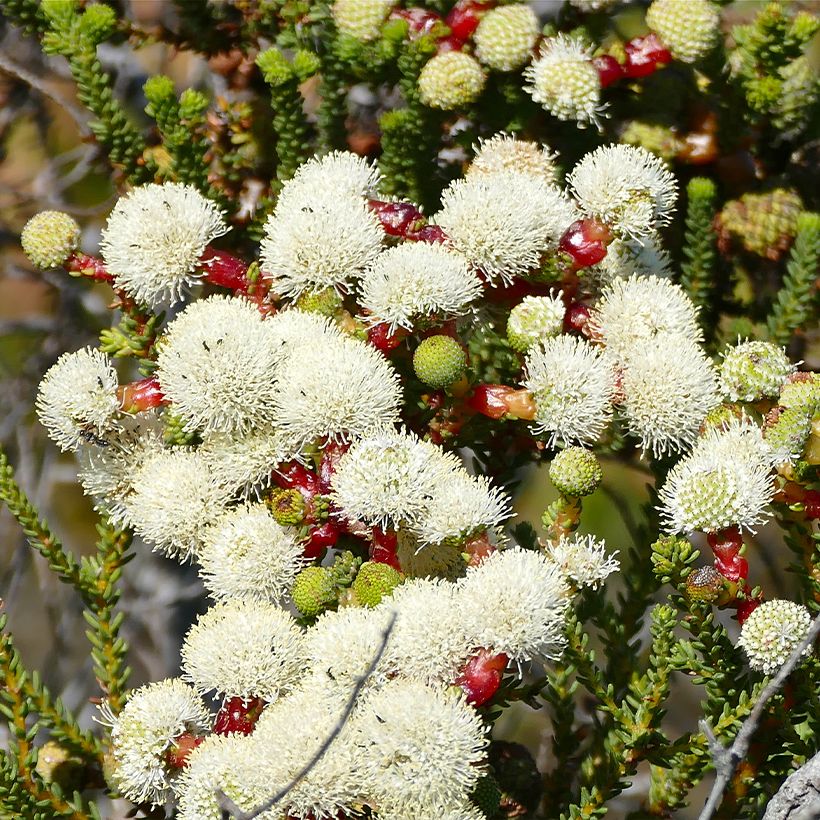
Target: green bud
x=535, y=319
x=324, y=302
x=754, y=370
x=98, y=22
x=313, y=591
x=374, y=581
x=192, y=104
x=286, y=506
x=487, y=796
x=787, y=429
x=56, y=764
x=801, y=390
x=49, y=238
x=719, y=417
x=763, y=224
x=576, y=472
x=159, y=89
x=660, y=140
x=274, y=66
x=305, y=64
x=439, y=361
x=344, y=568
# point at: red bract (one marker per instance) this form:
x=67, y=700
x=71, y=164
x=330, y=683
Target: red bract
x=482, y=676
x=177, y=754
x=321, y=537
x=726, y=543
x=291, y=475
x=586, y=242
x=238, y=715
x=224, y=269
x=489, y=400
x=811, y=504
x=464, y=18
x=608, y=68
x=746, y=607
x=421, y=21
x=427, y=233
x=383, y=548
x=644, y=55
x=577, y=318
x=381, y=338
x=142, y=395
x=330, y=458
x=396, y=218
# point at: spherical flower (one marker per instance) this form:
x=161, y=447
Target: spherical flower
x=417, y=748
x=154, y=238
x=725, y=481
x=535, y=319
x=689, y=30
x=418, y=560
x=576, y=471
x=77, y=398
x=503, y=222
x=439, y=361
x=505, y=37
x=787, y=430
x=801, y=391
x=504, y=152
x=572, y=384
x=49, y=238
x=583, y=560
x=145, y=730
x=417, y=280
x=327, y=241
x=635, y=310
x=387, y=479
x=631, y=257
x=341, y=390
x=668, y=387
x=361, y=19
x=754, y=370
x=515, y=602
x=246, y=554
x=293, y=329
x=175, y=498
x=564, y=80
x=451, y=80
x=626, y=187
x=243, y=648
x=461, y=506
x=772, y=632
x=216, y=364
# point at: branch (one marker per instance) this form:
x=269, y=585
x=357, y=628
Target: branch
x=799, y=796
x=229, y=808
x=726, y=760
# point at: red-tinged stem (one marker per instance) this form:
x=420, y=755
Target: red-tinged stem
x=142, y=395
x=224, y=269
x=238, y=715
x=383, y=548
x=482, y=675
x=90, y=267
x=499, y=400
x=176, y=756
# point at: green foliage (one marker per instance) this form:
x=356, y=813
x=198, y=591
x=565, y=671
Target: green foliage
x=698, y=271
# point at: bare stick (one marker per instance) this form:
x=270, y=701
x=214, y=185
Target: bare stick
x=230, y=809
x=726, y=759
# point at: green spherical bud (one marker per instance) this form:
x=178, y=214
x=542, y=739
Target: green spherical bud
x=718, y=417
x=704, y=584
x=787, y=429
x=286, y=506
x=576, y=472
x=487, y=796
x=801, y=390
x=49, y=238
x=439, y=361
x=688, y=29
x=374, y=581
x=56, y=764
x=661, y=140
x=361, y=19
x=324, y=302
x=536, y=318
x=451, y=80
x=505, y=37
x=313, y=591
x=754, y=370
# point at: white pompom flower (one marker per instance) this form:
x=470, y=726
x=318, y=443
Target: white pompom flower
x=242, y=648
x=154, y=238
x=630, y=257
x=515, y=602
x=565, y=82
x=584, y=560
x=504, y=152
x=246, y=554
x=772, y=632
x=668, y=385
x=418, y=280
x=417, y=748
x=216, y=365
x=635, y=310
x=628, y=188
x=175, y=498
x=143, y=733
x=77, y=399
x=725, y=481
x=503, y=222
x=572, y=384
x=535, y=319
x=689, y=30
x=505, y=37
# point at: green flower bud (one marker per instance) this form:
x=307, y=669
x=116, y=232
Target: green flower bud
x=801, y=390
x=439, y=361
x=324, y=302
x=374, y=581
x=576, y=472
x=719, y=417
x=98, y=22
x=286, y=506
x=487, y=796
x=754, y=370
x=313, y=591
x=689, y=29
x=661, y=140
x=49, y=238
x=451, y=80
x=787, y=429
x=534, y=319
x=704, y=584
x=56, y=764
x=505, y=37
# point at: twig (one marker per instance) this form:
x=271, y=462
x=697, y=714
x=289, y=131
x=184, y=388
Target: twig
x=230, y=809
x=726, y=759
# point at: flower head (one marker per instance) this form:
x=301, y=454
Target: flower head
x=77, y=398
x=503, y=222
x=725, y=481
x=243, y=648
x=504, y=152
x=630, y=257
x=451, y=80
x=564, y=81
x=754, y=370
x=145, y=730
x=505, y=37
x=689, y=30
x=584, y=560
x=772, y=632
x=626, y=187
x=154, y=238
x=444, y=560
x=535, y=319
x=246, y=554
x=49, y=238
x=572, y=384
x=361, y=19
x=417, y=280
